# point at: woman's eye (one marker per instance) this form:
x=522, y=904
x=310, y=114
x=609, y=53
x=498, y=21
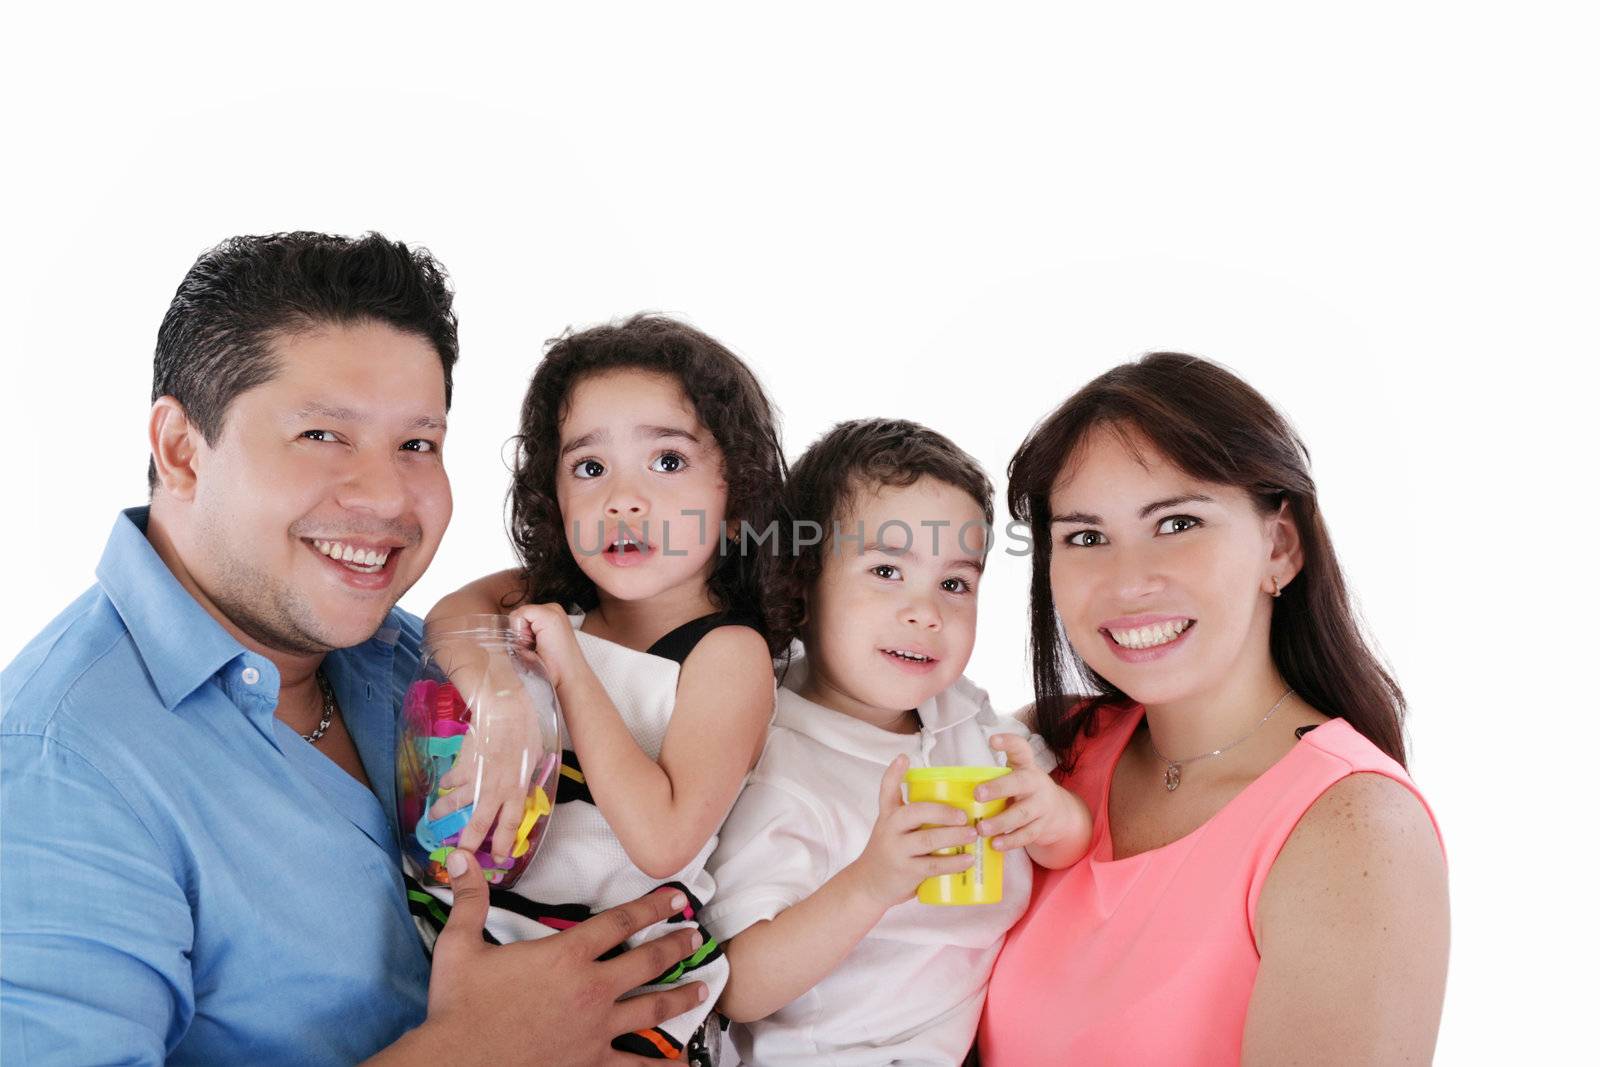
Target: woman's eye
x=956, y=585
x=886, y=571
x=668, y=463
x=1177, y=524
x=1086, y=538
x=588, y=468
x=420, y=444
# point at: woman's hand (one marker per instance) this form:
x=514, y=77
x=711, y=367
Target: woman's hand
x=900, y=852
x=1046, y=819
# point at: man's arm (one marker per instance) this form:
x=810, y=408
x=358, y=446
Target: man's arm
x=96, y=925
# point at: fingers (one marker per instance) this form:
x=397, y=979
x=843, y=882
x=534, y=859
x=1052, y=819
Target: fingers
x=1012, y=818
x=471, y=905
x=601, y=933
x=889, y=786
x=1025, y=836
x=932, y=866
x=477, y=827
x=639, y=965
x=926, y=841
x=505, y=829
x=1019, y=755
x=653, y=1009
x=1017, y=783
x=931, y=813
x=451, y=802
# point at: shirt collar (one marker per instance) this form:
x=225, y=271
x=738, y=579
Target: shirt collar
x=837, y=730
x=181, y=644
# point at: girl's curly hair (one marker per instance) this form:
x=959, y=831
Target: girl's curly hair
x=853, y=457
x=728, y=401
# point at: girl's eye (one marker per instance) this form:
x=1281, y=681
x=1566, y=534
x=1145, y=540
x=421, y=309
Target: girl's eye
x=588, y=468
x=887, y=571
x=319, y=435
x=1086, y=538
x=1177, y=524
x=420, y=444
x=956, y=585
x=669, y=463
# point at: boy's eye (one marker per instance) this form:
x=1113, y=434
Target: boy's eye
x=668, y=463
x=588, y=468
x=1086, y=538
x=1177, y=524
x=887, y=571
x=956, y=585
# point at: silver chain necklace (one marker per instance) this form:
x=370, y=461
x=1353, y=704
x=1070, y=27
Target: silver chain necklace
x=1175, y=766
x=328, y=706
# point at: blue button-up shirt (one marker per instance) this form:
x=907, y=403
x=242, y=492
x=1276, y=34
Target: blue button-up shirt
x=184, y=879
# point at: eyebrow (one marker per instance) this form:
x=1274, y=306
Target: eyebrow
x=317, y=410
x=911, y=554
x=642, y=433
x=1144, y=512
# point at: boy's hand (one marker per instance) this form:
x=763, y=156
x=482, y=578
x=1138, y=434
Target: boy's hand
x=898, y=854
x=1041, y=813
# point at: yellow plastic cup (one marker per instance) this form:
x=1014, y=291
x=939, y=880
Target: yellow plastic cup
x=980, y=883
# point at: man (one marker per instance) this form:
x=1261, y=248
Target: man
x=201, y=862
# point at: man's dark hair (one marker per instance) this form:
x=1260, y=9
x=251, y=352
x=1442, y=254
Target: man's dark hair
x=216, y=339
x=862, y=455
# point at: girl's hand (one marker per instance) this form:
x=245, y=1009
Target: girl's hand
x=1041, y=813
x=499, y=755
x=553, y=639
x=899, y=855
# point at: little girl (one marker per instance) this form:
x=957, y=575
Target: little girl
x=831, y=961
x=640, y=445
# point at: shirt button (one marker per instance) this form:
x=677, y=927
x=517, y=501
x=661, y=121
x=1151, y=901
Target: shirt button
x=250, y=676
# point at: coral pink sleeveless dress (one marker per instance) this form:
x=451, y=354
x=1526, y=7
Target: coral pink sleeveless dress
x=1151, y=958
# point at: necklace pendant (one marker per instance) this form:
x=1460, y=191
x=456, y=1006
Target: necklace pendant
x=1174, y=773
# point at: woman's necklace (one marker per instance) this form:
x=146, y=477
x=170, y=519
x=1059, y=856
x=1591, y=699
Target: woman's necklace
x=1175, y=766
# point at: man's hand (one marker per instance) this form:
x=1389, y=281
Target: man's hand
x=545, y=1002
x=899, y=854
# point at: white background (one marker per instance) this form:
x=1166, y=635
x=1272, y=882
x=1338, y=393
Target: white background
x=1383, y=216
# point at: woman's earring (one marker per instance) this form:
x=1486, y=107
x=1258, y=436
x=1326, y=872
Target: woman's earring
x=1276, y=591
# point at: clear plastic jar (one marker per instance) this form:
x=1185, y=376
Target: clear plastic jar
x=479, y=705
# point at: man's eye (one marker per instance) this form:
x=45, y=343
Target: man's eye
x=669, y=463
x=1086, y=538
x=956, y=585
x=1177, y=524
x=887, y=571
x=588, y=468
x=420, y=444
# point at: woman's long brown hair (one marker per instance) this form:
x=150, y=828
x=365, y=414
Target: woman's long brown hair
x=1214, y=427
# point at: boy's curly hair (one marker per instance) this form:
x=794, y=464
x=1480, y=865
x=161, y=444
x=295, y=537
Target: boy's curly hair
x=853, y=457
x=728, y=401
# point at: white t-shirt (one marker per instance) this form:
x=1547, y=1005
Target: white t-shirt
x=912, y=990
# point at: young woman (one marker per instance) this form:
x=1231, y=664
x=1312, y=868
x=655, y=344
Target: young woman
x=1264, y=883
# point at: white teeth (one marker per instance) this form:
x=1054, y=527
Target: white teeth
x=368, y=560
x=1151, y=636
x=912, y=656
